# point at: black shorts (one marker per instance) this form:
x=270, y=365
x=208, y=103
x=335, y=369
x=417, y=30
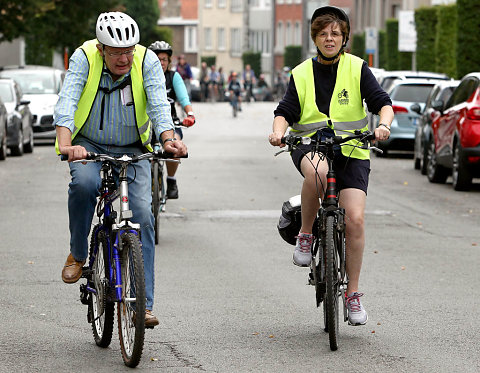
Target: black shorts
x=351, y=172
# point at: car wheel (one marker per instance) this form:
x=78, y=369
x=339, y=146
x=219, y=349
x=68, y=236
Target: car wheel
x=417, y=163
x=28, y=148
x=423, y=167
x=3, y=146
x=461, y=176
x=435, y=172
x=17, y=150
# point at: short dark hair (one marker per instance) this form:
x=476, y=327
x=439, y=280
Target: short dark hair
x=323, y=21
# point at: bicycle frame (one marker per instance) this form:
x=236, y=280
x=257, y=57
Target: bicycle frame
x=113, y=231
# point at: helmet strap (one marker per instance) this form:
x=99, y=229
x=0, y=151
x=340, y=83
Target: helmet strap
x=329, y=59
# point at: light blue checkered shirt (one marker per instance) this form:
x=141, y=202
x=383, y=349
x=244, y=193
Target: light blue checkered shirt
x=119, y=126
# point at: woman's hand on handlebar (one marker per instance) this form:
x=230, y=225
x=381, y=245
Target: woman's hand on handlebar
x=275, y=139
x=382, y=133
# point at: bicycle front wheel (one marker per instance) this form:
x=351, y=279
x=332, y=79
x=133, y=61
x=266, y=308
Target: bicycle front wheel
x=333, y=285
x=101, y=311
x=158, y=196
x=131, y=310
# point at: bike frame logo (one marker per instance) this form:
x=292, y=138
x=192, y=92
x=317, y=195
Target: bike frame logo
x=343, y=97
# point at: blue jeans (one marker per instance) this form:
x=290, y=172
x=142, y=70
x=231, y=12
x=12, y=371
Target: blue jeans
x=82, y=199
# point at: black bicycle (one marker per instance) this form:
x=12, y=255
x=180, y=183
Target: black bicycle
x=327, y=268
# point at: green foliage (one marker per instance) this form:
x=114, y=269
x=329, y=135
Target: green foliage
x=426, y=20
x=293, y=55
x=358, y=45
x=396, y=60
x=382, y=49
x=468, y=42
x=445, y=49
x=210, y=60
x=254, y=59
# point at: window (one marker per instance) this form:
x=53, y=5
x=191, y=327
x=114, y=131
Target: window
x=235, y=42
x=236, y=6
x=222, y=3
x=221, y=39
x=297, y=36
x=280, y=42
x=208, y=37
x=190, y=36
x=208, y=3
x=288, y=33
x=260, y=41
x=463, y=92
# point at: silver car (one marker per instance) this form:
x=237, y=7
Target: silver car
x=405, y=93
x=40, y=86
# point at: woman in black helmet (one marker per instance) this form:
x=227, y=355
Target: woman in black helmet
x=176, y=92
x=325, y=97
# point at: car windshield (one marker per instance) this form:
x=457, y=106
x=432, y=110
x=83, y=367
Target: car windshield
x=33, y=81
x=411, y=92
x=6, y=93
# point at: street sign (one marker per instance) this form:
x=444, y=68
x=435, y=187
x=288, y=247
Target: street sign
x=407, y=33
x=371, y=40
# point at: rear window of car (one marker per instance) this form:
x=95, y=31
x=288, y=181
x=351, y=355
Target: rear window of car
x=411, y=92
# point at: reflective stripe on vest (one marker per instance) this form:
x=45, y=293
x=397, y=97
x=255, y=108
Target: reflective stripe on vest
x=91, y=88
x=347, y=112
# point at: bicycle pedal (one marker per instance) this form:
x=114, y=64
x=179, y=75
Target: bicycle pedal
x=86, y=272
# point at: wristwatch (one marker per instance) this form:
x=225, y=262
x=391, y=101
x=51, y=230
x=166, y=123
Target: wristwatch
x=190, y=113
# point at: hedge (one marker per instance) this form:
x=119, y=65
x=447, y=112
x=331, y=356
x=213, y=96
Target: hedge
x=426, y=26
x=468, y=42
x=445, y=50
x=293, y=55
x=254, y=59
x=396, y=60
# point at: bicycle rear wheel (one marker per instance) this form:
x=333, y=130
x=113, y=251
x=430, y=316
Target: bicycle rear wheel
x=333, y=286
x=131, y=310
x=101, y=311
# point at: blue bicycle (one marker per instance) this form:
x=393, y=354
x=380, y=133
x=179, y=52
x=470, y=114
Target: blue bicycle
x=115, y=272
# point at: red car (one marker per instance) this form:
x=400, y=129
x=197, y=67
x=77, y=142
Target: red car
x=455, y=146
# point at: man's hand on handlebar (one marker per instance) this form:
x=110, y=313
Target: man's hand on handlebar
x=73, y=152
x=177, y=148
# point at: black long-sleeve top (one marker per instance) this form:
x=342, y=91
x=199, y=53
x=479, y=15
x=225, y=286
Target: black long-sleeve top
x=325, y=77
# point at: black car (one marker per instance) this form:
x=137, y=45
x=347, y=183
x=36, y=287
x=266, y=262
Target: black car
x=19, y=126
x=442, y=91
x=3, y=131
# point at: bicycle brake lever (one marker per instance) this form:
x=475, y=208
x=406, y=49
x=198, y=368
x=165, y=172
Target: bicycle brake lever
x=375, y=149
x=280, y=152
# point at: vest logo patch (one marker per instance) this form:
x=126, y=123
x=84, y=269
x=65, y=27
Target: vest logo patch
x=343, y=97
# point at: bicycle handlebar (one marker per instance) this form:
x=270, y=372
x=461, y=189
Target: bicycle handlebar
x=335, y=140
x=94, y=157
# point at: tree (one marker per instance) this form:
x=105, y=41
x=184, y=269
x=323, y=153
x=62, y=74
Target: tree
x=16, y=16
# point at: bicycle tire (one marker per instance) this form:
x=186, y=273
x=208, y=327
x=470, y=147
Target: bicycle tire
x=157, y=191
x=131, y=310
x=101, y=311
x=332, y=282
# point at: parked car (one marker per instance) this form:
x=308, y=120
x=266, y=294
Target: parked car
x=19, y=124
x=455, y=146
x=441, y=91
x=3, y=131
x=40, y=86
x=386, y=78
x=404, y=94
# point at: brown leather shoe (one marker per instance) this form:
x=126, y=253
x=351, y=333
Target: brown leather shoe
x=150, y=320
x=72, y=271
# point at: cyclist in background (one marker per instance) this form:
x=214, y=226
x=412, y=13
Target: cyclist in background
x=176, y=91
x=324, y=98
x=235, y=88
x=112, y=99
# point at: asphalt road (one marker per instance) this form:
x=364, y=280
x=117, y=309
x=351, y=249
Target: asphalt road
x=227, y=295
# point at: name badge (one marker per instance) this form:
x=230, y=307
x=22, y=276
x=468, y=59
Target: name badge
x=126, y=95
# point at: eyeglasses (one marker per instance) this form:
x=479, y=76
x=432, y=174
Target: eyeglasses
x=128, y=53
x=163, y=59
x=334, y=34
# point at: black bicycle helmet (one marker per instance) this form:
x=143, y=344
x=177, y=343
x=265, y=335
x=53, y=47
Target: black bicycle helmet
x=341, y=15
x=161, y=46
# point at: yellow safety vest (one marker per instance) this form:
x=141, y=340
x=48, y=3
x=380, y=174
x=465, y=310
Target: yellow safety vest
x=347, y=112
x=90, y=90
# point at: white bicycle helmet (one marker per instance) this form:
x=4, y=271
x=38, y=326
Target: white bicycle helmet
x=118, y=30
x=161, y=46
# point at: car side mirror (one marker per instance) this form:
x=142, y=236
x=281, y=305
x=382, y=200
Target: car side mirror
x=416, y=108
x=438, y=105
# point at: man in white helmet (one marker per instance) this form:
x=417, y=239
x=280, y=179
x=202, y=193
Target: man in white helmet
x=112, y=99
